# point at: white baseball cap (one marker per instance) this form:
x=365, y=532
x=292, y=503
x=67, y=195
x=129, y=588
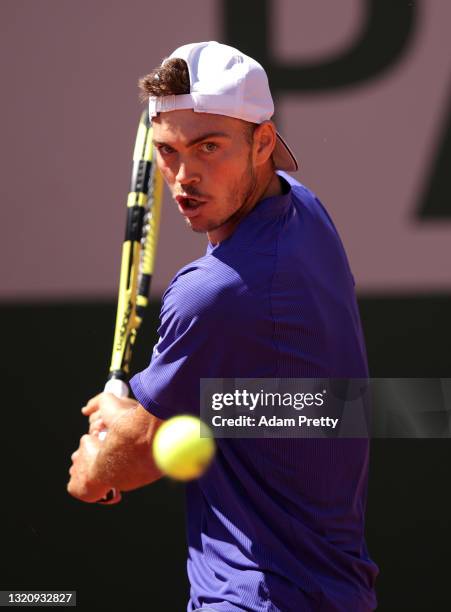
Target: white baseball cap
x=224, y=81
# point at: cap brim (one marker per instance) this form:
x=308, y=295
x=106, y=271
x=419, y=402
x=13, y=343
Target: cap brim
x=283, y=157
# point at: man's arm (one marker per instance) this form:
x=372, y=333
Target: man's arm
x=124, y=459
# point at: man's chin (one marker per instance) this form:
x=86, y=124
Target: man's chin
x=203, y=227
x=199, y=228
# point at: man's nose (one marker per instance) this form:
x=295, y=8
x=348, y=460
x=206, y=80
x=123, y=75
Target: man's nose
x=186, y=174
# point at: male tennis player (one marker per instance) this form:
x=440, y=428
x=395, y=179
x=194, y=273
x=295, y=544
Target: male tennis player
x=275, y=524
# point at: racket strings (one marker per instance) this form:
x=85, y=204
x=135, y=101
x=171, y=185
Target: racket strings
x=149, y=229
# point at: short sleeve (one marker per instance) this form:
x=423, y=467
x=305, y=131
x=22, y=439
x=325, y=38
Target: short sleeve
x=208, y=329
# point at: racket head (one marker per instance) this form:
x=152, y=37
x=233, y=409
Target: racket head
x=139, y=249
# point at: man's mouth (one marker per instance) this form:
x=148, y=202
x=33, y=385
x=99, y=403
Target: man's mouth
x=188, y=205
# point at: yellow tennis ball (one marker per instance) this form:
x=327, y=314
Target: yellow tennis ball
x=183, y=447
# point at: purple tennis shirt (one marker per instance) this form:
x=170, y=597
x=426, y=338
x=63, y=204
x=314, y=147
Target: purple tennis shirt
x=275, y=525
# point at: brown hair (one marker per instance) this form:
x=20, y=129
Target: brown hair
x=170, y=79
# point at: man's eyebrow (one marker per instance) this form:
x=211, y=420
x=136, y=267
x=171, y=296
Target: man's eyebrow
x=198, y=139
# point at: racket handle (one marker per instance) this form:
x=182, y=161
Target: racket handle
x=119, y=388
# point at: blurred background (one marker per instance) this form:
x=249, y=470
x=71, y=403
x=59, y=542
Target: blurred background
x=362, y=92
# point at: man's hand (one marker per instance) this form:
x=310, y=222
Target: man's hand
x=104, y=409
x=82, y=485
x=123, y=460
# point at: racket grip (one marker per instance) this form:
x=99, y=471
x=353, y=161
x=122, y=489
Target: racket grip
x=119, y=388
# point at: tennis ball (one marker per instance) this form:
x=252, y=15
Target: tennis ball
x=183, y=447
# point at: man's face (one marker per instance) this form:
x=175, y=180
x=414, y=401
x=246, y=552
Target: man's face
x=206, y=161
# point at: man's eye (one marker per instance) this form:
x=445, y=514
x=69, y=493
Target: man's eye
x=209, y=147
x=165, y=149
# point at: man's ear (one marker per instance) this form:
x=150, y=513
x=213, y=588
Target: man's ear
x=264, y=142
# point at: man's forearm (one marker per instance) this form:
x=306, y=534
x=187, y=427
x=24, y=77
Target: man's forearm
x=125, y=459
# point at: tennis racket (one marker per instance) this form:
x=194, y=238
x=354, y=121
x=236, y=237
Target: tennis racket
x=137, y=264
x=138, y=256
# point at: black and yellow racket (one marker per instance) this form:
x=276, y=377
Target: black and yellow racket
x=137, y=264
x=138, y=255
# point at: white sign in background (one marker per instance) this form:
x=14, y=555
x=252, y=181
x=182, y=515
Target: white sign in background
x=369, y=151
x=68, y=121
